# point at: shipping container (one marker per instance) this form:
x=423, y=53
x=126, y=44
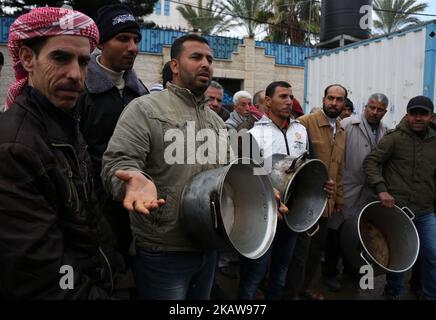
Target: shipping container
x=400, y=65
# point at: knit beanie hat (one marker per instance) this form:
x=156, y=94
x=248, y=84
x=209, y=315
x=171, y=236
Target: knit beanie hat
x=113, y=19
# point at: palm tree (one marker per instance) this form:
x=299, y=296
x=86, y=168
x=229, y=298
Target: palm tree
x=246, y=13
x=293, y=21
x=208, y=19
x=396, y=14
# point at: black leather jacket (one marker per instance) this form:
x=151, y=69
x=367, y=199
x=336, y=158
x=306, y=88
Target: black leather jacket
x=49, y=215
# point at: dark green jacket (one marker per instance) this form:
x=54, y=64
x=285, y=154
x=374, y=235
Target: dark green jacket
x=404, y=165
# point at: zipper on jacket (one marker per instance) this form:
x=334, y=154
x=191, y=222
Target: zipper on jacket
x=84, y=180
x=73, y=190
x=86, y=198
x=284, y=136
x=286, y=142
x=84, y=183
x=110, y=269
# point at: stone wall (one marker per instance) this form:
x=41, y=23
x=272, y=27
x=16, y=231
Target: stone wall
x=249, y=64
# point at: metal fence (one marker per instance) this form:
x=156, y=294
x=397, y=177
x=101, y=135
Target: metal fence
x=5, y=23
x=222, y=47
x=153, y=40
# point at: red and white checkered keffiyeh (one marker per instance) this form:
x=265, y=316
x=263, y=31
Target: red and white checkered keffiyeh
x=44, y=22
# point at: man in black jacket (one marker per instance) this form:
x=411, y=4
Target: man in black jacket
x=54, y=241
x=110, y=85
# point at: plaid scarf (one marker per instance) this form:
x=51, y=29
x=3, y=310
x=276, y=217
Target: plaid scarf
x=44, y=22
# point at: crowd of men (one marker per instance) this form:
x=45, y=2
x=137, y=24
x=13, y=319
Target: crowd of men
x=84, y=181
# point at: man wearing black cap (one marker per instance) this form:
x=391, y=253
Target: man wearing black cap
x=110, y=85
x=402, y=170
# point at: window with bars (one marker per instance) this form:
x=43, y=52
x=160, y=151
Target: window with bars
x=158, y=8
x=167, y=7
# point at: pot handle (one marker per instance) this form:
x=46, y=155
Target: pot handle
x=214, y=215
x=362, y=255
x=408, y=212
x=311, y=234
x=302, y=157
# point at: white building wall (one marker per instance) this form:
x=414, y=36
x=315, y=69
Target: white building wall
x=174, y=19
x=393, y=66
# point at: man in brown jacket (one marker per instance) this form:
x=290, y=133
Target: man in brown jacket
x=327, y=140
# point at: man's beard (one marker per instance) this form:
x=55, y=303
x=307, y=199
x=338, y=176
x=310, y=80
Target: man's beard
x=195, y=88
x=330, y=114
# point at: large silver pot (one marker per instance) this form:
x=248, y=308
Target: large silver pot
x=385, y=238
x=231, y=207
x=301, y=185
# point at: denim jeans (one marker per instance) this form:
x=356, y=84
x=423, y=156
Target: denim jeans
x=426, y=226
x=174, y=275
x=297, y=266
x=279, y=254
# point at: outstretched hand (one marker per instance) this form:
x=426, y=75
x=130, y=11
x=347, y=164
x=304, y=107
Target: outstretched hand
x=140, y=192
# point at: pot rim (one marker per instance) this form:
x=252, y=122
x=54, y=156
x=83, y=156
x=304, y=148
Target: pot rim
x=287, y=194
x=269, y=236
x=367, y=251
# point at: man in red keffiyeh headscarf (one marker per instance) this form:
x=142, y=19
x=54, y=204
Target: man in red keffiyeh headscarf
x=54, y=240
x=42, y=23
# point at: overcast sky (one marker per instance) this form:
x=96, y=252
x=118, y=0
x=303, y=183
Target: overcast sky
x=238, y=32
x=430, y=10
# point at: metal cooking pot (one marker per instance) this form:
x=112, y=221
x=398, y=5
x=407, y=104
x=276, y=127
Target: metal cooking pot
x=231, y=207
x=301, y=185
x=385, y=238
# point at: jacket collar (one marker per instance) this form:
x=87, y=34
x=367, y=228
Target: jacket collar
x=223, y=112
x=267, y=121
x=98, y=82
x=322, y=120
x=356, y=120
x=404, y=126
x=186, y=95
x=60, y=125
x=237, y=117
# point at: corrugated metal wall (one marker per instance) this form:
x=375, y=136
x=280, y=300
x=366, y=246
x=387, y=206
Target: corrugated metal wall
x=5, y=23
x=393, y=65
x=287, y=54
x=222, y=47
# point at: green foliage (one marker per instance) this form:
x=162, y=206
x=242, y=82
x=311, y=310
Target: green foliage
x=291, y=21
x=396, y=14
x=209, y=19
x=246, y=13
